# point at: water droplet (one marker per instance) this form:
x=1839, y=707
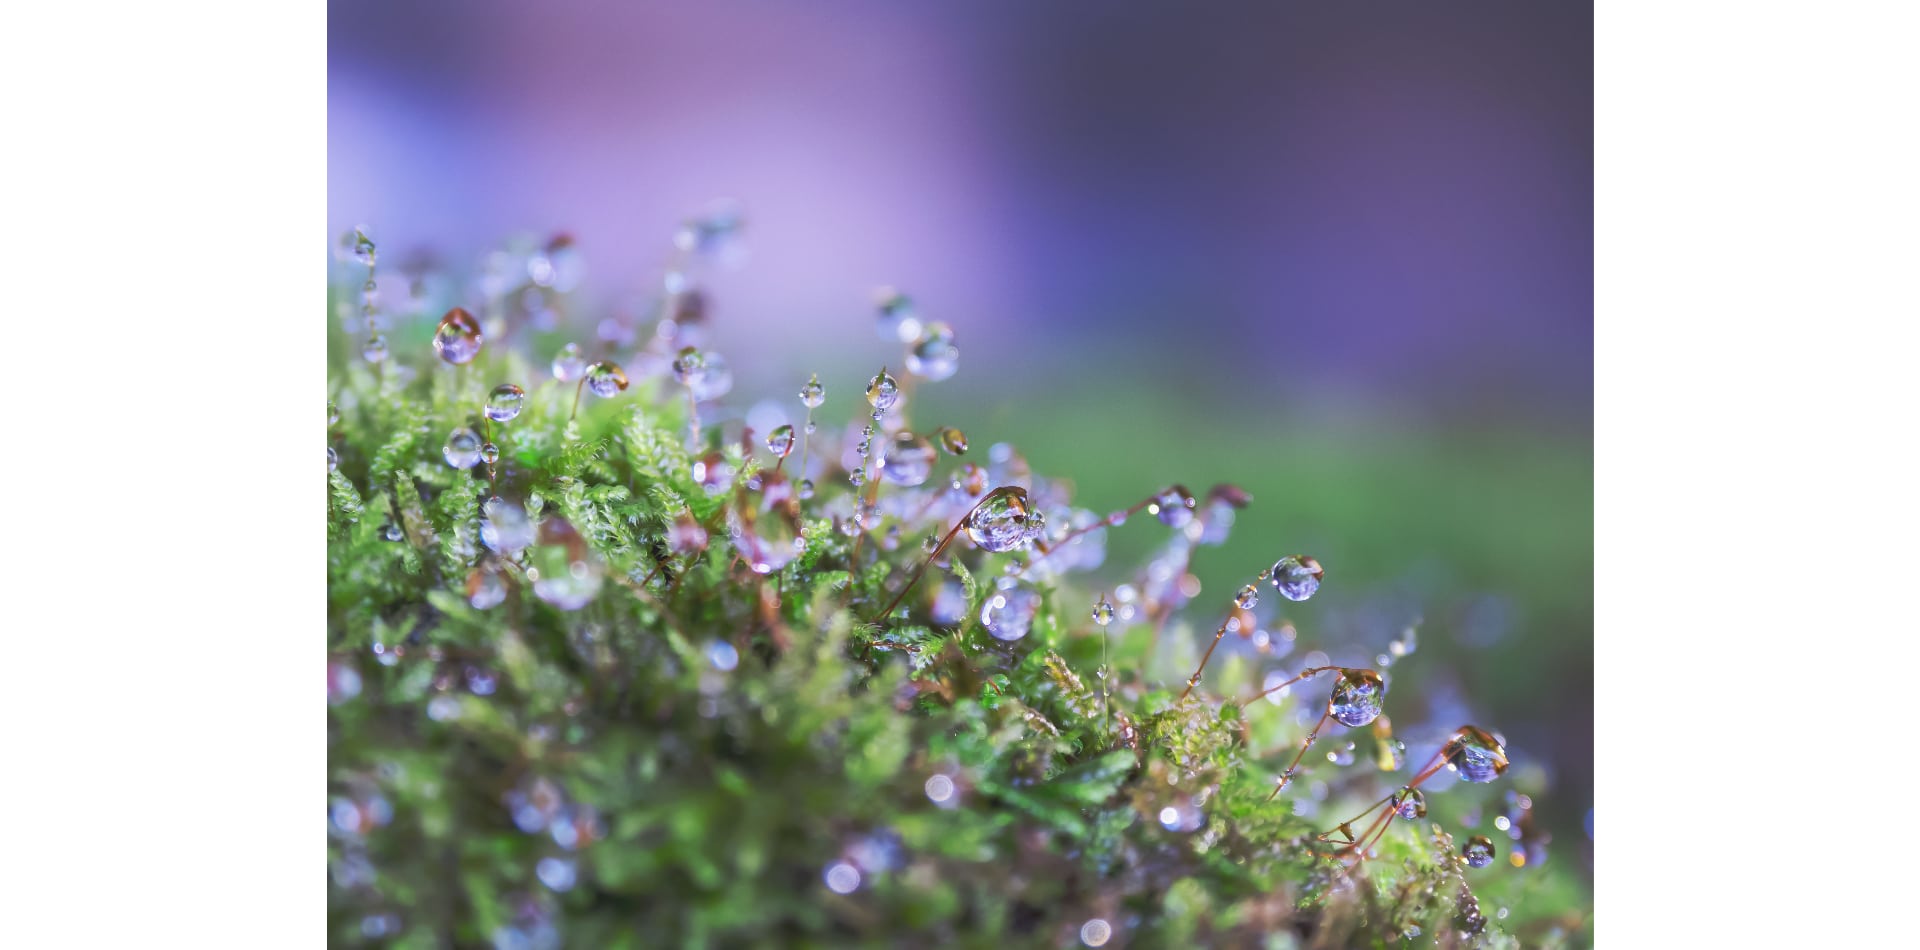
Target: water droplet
x=1008, y=614
x=842, y=878
x=714, y=379
x=356, y=246
x=1357, y=697
x=907, y=459
x=489, y=453
x=1297, y=576
x=333, y=414
x=606, y=378
x=504, y=527
x=375, y=350
x=1248, y=598
x=1475, y=754
x=765, y=526
x=806, y=488
x=934, y=357
x=970, y=481
x=1103, y=612
x=1410, y=804
x=1181, y=816
x=504, y=403
x=1001, y=522
x=813, y=394
x=567, y=364
x=558, y=874
x=883, y=392
x=1341, y=755
x=899, y=319
x=392, y=531
x=485, y=589
x=1174, y=507
x=723, y=656
x=1478, y=851
x=333, y=459
x=939, y=789
x=780, y=441
x=1096, y=932
x=457, y=339
x=688, y=365
x=463, y=448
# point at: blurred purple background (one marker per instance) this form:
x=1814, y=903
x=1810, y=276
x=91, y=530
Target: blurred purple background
x=1391, y=203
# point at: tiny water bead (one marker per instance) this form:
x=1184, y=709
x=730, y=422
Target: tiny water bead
x=1103, y=611
x=375, y=349
x=1248, y=598
x=490, y=453
x=813, y=394
x=883, y=392
x=953, y=440
x=1476, y=755
x=606, y=378
x=504, y=403
x=934, y=357
x=805, y=489
x=1002, y=521
x=1297, y=576
x=1357, y=697
x=457, y=339
x=1478, y=851
x=907, y=459
x=780, y=441
x=1410, y=804
x=463, y=448
x=689, y=367
x=1174, y=506
x=568, y=364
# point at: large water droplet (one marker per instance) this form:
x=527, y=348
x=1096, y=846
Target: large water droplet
x=899, y=319
x=504, y=402
x=606, y=378
x=1174, y=507
x=504, y=527
x=1476, y=755
x=1297, y=576
x=688, y=366
x=463, y=448
x=457, y=339
x=780, y=441
x=567, y=364
x=1478, y=851
x=813, y=394
x=882, y=392
x=1357, y=697
x=1002, y=520
x=333, y=459
x=907, y=459
x=1103, y=612
x=1410, y=804
x=934, y=357
x=1008, y=614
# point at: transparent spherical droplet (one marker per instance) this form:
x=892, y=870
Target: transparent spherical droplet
x=606, y=378
x=1096, y=932
x=899, y=319
x=1411, y=804
x=333, y=414
x=723, y=656
x=457, y=339
x=1001, y=522
x=1008, y=614
x=939, y=789
x=463, y=448
x=1297, y=576
x=1476, y=755
x=1248, y=598
x=1357, y=697
x=688, y=365
x=883, y=392
x=934, y=357
x=489, y=453
x=1174, y=507
x=953, y=440
x=504, y=527
x=805, y=489
x=842, y=878
x=1182, y=816
x=567, y=364
x=1342, y=754
x=375, y=349
x=813, y=394
x=1103, y=612
x=780, y=441
x=485, y=589
x=392, y=531
x=1478, y=851
x=907, y=459
x=504, y=403
x=333, y=459
x=558, y=874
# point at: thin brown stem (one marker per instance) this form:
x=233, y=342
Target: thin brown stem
x=1287, y=776
x=1310, y=671
x=1195, y=678
x=930, y=558
x=577, y=389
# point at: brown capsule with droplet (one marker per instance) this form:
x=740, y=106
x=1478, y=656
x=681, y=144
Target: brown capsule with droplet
x=953, y=440
x=457, y=339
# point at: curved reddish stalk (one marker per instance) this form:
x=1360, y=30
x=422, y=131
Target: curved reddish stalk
x=1309, y=671
x=1287, y=776
x=922, y=569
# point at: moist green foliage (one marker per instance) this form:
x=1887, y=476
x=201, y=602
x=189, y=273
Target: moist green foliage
x=678, y=798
